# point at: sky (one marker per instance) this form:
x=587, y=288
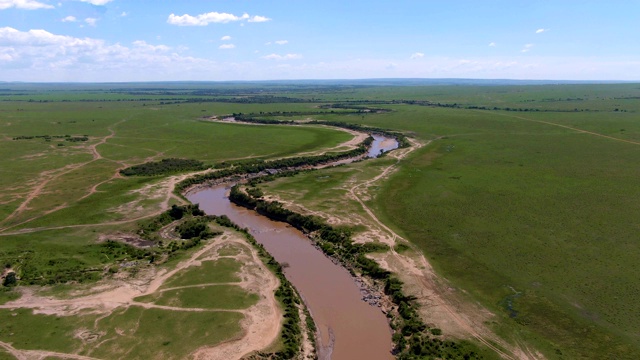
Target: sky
x=223, y=40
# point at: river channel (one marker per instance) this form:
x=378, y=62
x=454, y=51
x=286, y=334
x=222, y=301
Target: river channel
x=348, y=327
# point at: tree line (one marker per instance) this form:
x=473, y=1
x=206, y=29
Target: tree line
x=412, y=338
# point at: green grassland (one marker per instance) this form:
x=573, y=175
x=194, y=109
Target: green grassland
x=526, y=198
x=134, y=333
x=209, y=272
x=533, y=216
x=67, y=174
x=228, y=297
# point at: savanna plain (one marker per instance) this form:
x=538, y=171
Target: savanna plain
x=504, y=226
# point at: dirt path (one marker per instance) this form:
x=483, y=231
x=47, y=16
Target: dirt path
x=572, y=128
x=47, y=176
x=399, y=155
x=40, y=354
x=168, y=185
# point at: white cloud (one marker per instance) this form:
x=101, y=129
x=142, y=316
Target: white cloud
x=527, y=48
x=417, y=55
x=97, y=2
x=268, y=43
x=91, y=21
x=212, y=17
x=226, y=46
x=282, y=42
x=24, y=4
x=492, y=44
x=40, y=55
x=12, y=37
x=70, y=19
x=540, y=31
x=124, y=14
x=225, y=38
x=259, y=18
x=282, y=57
x=143, y=45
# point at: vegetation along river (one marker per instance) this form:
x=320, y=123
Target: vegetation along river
x=348, y=327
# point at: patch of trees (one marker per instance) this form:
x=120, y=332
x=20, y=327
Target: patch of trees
x=401, y=138
x=164, y=167
x=274, y=166
x=10, y=280
x=147, y=228
x=50, y=137
x=412, y=338
x=356, y=108
x=195, y=227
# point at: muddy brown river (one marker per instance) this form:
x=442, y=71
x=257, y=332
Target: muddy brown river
x=348, y=327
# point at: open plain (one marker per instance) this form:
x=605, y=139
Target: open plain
x=510, y=215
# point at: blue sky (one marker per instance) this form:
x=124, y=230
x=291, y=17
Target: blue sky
x=145, y=40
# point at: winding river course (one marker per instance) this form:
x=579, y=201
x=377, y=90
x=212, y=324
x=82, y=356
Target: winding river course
x=348, y=327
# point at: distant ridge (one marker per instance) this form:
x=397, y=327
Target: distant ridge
x=311, y=82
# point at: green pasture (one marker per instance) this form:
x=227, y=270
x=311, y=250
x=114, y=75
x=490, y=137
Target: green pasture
x=208, y=272
x=4, y=355
x=139, y=134
x=228, y=297
x=133, y=333
x=508, y=204
x=534, y=219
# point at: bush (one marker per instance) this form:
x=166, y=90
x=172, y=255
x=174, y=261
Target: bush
x=10, y=280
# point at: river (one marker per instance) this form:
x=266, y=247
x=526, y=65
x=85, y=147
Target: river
x=348, y=327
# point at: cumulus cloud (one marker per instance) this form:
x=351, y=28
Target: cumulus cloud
x=91, y=21
x=69, y=19
x=12, y=37
x=225, y=38
x=212, y=17
x=259, y=18
x=226, y=46
x=540, y=31
x=282, y=42
x=416, y=55
x=24, y=4
x=39, y=54
x=492, y=44
x=97, y=2
x=527, y=48
x=282, y=57
x=124, y=14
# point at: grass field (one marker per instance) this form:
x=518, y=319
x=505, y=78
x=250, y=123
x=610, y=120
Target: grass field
x=526, y=198
x=134, y=333
x=533, y=213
